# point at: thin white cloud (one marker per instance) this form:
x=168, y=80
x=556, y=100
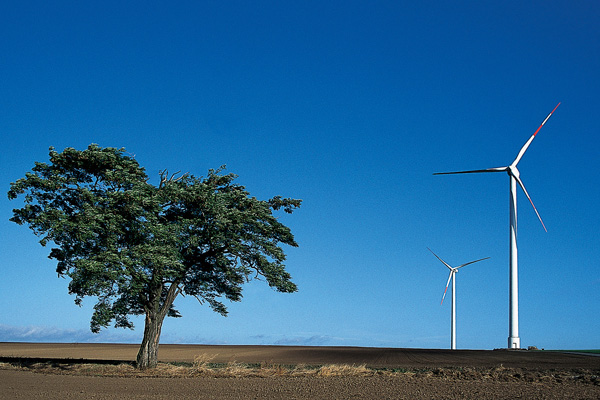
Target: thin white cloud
x=53, y=334
x=316, y=340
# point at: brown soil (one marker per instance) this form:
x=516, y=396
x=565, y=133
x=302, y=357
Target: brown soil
x=30, y=371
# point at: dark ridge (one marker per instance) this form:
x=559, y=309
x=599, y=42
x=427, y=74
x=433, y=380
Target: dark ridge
x=57, y=362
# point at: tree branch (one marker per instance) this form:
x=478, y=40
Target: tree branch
x=165, y=178
x=172, y=294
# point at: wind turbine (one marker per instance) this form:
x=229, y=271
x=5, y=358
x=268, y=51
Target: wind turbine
x=453, y=272
x=514, y=342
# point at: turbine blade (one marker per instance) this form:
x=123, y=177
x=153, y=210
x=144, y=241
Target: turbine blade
x=471, y=262
x=444, y=262
x=547, y=118
x=531, y=201
x=448, y=283
x=526, y=145
x=498, y=169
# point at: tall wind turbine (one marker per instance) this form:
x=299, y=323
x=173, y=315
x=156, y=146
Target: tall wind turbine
x=514, y=342
x=453, y=272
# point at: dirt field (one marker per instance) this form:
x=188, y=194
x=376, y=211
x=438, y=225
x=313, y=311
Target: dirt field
x=392, y=373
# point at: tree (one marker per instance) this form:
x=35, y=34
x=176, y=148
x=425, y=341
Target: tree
x=135, y=246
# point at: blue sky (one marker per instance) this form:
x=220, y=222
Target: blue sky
x=350, y=106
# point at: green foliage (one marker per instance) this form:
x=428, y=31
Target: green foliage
x=136, y=246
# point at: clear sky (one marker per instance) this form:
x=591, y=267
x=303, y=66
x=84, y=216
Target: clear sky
x=350, y=106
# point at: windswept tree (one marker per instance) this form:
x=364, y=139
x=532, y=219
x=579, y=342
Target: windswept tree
x=134, y=246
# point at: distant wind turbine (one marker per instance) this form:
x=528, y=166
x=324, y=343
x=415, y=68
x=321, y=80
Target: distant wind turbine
x=514, y=342
x=453, y=272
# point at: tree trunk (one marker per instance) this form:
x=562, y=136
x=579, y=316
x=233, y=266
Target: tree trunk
x=155, y=315
x=148, y=354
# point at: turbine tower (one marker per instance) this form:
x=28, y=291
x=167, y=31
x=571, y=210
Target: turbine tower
x=453, y=272
x=514, y=341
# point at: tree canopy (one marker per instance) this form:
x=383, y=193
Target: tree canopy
x=135, y=246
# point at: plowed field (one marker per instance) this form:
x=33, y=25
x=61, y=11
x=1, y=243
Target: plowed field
x=392, y=373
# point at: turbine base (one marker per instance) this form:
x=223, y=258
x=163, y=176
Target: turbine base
x=514, y=342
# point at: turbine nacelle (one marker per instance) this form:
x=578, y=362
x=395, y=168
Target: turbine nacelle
x=453, y=270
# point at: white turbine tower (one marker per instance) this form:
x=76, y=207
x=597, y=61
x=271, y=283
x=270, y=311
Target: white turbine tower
x=453, y=272
x=514, y=342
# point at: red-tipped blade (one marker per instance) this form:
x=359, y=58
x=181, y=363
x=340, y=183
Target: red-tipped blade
x=547, y=118
x=447, y=283
x=526, y=145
